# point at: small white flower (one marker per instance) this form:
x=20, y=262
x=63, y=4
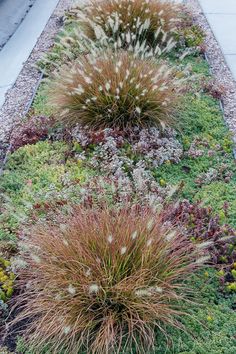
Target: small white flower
x=138, y=110
x=36, y=258
x=149, y=242
x=88, y=80
x=79, y=90
x=170, y=235
x=204, y=244
x=87, y=272
x=58, y=297
x=134, y=235
x=71, y=290
x=150, y=224
x=123, y=250
x=100, y=88
x=63, y=227
x=157, y=289
x=65, y=111
x=110, y=239
x=93, y=289
x=143, y=292
x=107, y=86
x=66, y=243
x=28, y=284
x=67, y=329
x=163, y=88
x=202, y=260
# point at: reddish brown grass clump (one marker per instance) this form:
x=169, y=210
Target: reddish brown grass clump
x=151, y=21
x=104, y=280
x=115, y=91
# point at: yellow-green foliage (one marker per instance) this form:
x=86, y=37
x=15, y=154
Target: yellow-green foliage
x=7, y=278
x=34, y=177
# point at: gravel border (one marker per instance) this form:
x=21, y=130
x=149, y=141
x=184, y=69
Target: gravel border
x=20, y=95
x=219, y=67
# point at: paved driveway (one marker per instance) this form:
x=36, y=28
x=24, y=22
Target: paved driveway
x=12, y=12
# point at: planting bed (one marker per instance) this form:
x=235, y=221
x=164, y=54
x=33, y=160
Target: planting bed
x=118, y=216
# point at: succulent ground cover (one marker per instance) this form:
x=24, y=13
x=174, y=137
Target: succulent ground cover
x=102, y=184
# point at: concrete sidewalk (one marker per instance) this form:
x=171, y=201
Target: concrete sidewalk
x=11, y=14
x=221, y=15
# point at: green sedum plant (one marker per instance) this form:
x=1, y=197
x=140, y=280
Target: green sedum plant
x=35, y=177
x=104, y=280
x=7, y=278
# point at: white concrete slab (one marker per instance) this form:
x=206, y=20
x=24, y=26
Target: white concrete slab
x=231, y=61
x=18, y=48
x=224, y=28
x=219, y=6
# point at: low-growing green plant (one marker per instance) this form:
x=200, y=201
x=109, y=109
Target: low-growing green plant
x=217, y=194
x=115, y=91
x=4, y=350
x=104, y=280
x=192, y=35
x=40, y=104
x=207, y=170
x=201, y=225
x=67, y=47
x=7, y=278
x=211, y=328
x=34, y=177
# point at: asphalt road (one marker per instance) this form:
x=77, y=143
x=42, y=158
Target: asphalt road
x=12, y=12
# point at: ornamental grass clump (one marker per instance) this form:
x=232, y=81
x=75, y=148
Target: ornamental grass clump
x=128, y=22
x=102, y=280
x=115, y=91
